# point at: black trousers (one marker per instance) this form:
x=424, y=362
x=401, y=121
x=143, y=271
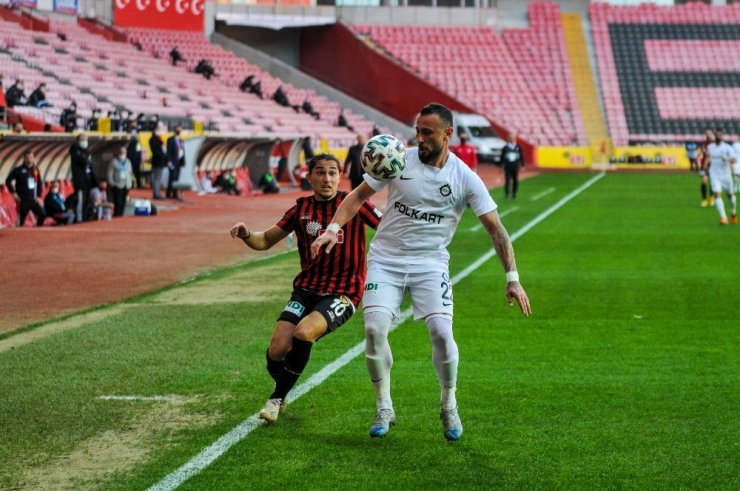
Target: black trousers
x=174, y=175
x=33, y=206
x=119, y=200
x=511, y=179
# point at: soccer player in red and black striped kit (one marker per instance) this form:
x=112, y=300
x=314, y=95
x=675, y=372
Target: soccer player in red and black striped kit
x=327, y=290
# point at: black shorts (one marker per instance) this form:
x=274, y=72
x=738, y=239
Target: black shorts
x=336, y=309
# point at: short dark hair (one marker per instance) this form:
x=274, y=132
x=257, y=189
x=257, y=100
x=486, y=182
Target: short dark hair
x=322, y=156
x=443, y=112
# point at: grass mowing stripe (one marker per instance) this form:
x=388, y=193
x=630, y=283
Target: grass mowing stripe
x=479, y=226
x=219, y=447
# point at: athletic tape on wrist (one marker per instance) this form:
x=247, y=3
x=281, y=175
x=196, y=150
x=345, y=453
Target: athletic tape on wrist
x=333, y=227
x=512, y=276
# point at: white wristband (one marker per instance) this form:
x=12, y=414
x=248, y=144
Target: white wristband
x=512, y=276
x=333, y=227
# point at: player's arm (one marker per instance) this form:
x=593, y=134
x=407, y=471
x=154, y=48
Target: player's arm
x=259, y=241
x=505, y=252
x=346, y=211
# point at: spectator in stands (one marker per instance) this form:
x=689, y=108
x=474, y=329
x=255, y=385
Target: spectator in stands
x=282, y=98
x=120, y=177
x=175, y=162
x=68, y=118
x=308, y=109
x=342, y=121
x=102, y=207
x=466, y=152
x=205, y=68
x=133, y=152
x=83, y=178
x=353, y=163
x=268, y=183
x=15, y=95
x=513, y=159
x=38, y=97
x=25, y=184
x=92, y=123
x=56, y=208
x=247, y=83
x=256, y=89
x=136, y=44
x=18, y=128
x=176, y=56
x=159, y=162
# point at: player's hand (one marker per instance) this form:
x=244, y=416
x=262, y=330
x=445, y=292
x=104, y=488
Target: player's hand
x=240, y=231
x=328, y=239
x=514, y=291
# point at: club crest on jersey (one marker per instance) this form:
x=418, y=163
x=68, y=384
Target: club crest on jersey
x=445, y=190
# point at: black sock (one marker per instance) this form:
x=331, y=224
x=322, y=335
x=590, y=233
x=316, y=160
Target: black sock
x=295, y=362
x=703, y=191
x=273, y=366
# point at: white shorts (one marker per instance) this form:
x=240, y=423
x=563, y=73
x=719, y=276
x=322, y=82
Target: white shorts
x=431, y=292
x=723, y=184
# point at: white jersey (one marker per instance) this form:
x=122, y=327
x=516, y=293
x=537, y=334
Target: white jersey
x=720, y=156
x=736, y=165
x=424, y=207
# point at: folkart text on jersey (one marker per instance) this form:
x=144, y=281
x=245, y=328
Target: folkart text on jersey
x=415, y=214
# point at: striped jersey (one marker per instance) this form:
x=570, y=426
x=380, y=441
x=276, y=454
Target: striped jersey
x=342, y=271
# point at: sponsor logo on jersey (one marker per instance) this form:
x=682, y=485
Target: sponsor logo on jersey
x=415, y=214
x=295, y=308
x=371, y=287
x=445, y=190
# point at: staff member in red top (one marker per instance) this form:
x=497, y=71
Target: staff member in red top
x=327, y=289
x=466, y=152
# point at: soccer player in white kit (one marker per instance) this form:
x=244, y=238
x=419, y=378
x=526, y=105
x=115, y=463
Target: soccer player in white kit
x=721, y=158
x=409, y=251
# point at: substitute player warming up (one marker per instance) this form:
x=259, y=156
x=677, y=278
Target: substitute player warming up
x=327, y=289
x=409, y=251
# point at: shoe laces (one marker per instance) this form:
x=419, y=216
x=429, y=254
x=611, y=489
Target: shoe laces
x=383, y=417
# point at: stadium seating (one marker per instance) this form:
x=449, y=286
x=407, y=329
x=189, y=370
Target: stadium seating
x=667, y=73
x=96, y=72
x=520, y=79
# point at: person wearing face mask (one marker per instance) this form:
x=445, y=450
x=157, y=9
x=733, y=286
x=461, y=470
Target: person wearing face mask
x=175, y=161
x=15, y=96
x=133, y=152
x=55, y=207
x=92, y=123
x=159, y=162
x=38, y=97
x=120, y=179
x=68, y=118
x=25, y=183
x=83, y=178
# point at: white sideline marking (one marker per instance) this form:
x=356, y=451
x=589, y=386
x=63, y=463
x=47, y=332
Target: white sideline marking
x=542, y=194
x=479, y=226
x=222, y=445
x=138, y=398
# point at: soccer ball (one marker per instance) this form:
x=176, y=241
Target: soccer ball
x=384, y=157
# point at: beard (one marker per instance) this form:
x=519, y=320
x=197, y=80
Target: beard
x=429, y=155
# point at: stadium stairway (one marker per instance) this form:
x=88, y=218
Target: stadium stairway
x=583, y=83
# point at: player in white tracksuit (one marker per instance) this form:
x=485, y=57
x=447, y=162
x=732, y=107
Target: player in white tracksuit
x=721, y=158
x=409, y=251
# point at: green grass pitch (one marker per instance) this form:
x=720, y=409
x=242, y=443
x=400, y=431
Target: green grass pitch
x=627, y=376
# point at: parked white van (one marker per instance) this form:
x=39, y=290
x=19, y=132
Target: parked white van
x=481, y=133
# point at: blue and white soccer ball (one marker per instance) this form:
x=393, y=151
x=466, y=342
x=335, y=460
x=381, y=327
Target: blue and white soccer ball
x=384, y=157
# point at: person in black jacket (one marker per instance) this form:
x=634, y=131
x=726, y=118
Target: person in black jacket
x=15, y=96
x=56, y=208
x=83, y=178
x=68, y=118
x=133, y=152
x=26, y=185
x=38, y=97
x=159, y=162
x=176, y=56
x=353, y=163
x=175, y=162
x=512, y=159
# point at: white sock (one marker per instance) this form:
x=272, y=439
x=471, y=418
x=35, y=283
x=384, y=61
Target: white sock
x=733, y=205
x=378, y=356
x=720, y=207
x=445, y=357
